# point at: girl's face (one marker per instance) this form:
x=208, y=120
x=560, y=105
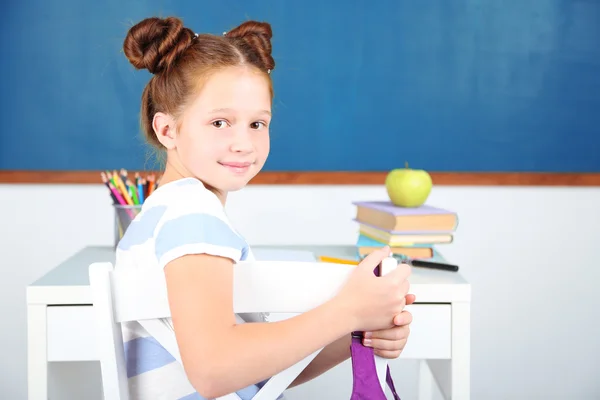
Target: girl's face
x=223, y=135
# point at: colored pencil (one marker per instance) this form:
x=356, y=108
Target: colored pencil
x=133, y=190
x=337, y=260
x=108, y=184
x=118, y=196
x=110, y=177
x=140, y=188
x=150, y=184
x=123, y=172
x=126, y=191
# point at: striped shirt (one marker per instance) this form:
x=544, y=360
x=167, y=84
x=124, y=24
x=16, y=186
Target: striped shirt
x=180, y=217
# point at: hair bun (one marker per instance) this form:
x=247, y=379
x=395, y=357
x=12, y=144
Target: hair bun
x=156, y=43
x=258, y=36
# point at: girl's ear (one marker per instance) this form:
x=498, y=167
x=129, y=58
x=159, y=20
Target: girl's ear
x=164, y=129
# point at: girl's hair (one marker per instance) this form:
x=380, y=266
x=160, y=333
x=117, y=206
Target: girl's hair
x=182, y=60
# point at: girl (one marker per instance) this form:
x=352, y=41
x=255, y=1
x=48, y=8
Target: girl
x=208, y=107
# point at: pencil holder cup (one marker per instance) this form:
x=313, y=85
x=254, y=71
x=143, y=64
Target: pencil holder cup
x=124, y=214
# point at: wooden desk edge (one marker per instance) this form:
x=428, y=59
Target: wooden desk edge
x=337, y=178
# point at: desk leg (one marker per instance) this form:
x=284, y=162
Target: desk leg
x=426, y=381
x=461, y=351
x=453, y=377
x=37, y=364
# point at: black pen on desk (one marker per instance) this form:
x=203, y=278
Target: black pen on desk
x=431, y=264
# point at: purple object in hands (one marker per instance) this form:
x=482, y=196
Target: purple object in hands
x=364, y=373
x=366, y=384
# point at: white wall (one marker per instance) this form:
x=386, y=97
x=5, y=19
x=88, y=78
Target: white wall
x=528, y=252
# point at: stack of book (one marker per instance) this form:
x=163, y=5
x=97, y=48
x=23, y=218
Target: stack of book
x=410, y=232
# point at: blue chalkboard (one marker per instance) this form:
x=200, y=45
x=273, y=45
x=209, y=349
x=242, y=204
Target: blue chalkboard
x=448, y=85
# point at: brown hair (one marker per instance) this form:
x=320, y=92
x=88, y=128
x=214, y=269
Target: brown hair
x=180, y=60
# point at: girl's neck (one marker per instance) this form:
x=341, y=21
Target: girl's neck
x=173, y=174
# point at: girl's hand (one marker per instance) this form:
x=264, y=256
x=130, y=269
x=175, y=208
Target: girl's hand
x=372, y=302
x=389, y=343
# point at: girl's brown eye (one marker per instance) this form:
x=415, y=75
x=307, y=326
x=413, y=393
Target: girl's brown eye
x=257, y=125
x=219, y=124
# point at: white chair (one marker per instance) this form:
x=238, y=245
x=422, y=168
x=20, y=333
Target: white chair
x=282, y=288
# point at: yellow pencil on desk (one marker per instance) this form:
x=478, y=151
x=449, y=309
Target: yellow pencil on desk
x=337, y=260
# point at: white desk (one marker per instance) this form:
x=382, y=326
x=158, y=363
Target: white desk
x=61, y=326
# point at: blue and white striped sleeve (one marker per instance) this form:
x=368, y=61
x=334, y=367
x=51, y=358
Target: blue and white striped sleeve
x=197, y=233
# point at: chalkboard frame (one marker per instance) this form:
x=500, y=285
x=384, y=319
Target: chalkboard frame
x=336, y=178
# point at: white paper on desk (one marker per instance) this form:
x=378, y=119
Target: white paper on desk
x=264, y=254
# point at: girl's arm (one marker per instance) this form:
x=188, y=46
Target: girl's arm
x=332, y=355
x=220, y=356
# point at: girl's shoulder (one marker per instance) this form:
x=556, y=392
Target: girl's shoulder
x=192, y=220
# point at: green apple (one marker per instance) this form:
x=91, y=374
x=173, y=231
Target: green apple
x=408, y=187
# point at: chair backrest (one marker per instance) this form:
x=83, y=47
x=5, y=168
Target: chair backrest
x=282, y=288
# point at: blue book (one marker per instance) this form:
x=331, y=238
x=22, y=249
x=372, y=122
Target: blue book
x=366, y=245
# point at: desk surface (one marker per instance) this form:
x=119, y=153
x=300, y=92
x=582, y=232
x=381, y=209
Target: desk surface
x=68, y=283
